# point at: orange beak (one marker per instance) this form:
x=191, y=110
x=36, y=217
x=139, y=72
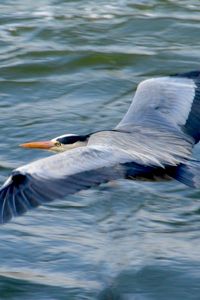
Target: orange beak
x=46, y=145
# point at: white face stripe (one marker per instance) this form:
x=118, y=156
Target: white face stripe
x=62, y=136
x=63, y=148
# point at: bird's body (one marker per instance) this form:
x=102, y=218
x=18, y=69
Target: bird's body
x=153, y=141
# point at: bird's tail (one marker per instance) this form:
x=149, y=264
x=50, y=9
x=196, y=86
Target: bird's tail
x=188, y=173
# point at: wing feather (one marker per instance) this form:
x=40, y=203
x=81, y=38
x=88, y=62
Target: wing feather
x=36, y=183
x=172, y=100
x=158, y=131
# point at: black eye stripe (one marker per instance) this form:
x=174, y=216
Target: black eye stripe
x=68, y=139
x=72, y=139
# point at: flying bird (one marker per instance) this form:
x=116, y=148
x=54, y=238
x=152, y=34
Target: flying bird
x=154, y=140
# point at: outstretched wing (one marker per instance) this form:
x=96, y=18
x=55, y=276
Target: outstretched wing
x=158, y=130
x=63, y=174
x=172, y=100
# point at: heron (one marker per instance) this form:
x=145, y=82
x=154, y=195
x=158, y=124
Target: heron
x=154, y=140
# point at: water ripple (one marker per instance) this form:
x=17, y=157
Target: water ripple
x=72, y=66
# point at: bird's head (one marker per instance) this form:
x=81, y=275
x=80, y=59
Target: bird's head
x=59, y=144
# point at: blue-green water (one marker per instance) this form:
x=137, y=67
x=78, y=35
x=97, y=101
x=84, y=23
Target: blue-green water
x=72, y=66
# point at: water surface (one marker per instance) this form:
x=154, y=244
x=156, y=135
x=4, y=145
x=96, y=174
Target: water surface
x=72, y=66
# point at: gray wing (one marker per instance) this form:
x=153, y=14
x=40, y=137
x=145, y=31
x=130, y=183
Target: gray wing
x=158, y=146
x=172, y=101
x=187, y=173
x=63, y=174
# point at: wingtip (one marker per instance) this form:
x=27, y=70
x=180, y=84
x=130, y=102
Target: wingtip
x=5, y=211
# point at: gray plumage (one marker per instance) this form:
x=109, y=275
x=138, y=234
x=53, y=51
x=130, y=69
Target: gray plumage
x=155, y=137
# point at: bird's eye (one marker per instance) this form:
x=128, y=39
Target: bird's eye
x=57, y=144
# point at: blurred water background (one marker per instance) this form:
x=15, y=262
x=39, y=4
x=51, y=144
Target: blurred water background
x=72, y=66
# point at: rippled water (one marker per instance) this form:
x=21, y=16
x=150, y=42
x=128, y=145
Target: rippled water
x=72, y=66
